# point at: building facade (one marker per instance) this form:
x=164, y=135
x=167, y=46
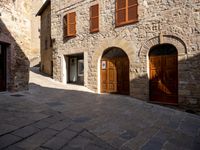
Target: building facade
x=46, y=64
x=16, y=43
x=146, y=49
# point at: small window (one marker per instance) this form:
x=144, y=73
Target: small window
x=94, y=18
x=70, y=24
x=126, y=12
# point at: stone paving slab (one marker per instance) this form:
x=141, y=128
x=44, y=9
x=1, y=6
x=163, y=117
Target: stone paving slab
x=26, y=131
x=37, y=139
x=55, y=116
x=7, y=140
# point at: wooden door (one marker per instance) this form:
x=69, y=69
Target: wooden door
x=115, y=75
x=2, y=68
x=112, y=76
x=164, y=79
x=123, y=75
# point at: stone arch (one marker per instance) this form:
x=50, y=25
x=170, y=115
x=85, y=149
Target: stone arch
x=167, y=39
x=163, y=74
x=127, y=46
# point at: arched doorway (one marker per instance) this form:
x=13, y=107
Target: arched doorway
x=115, y=71
x=3, y=66
x=163, y=65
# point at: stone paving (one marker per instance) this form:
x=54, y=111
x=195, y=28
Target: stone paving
x=55, y=116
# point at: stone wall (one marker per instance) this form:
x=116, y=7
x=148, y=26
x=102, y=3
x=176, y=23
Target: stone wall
x=46, y=43
x=174, y=22
x=35, y=29
x=16, y=30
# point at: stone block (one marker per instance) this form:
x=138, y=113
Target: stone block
x=7, y=140
x=26, y=131
x=36, y=140
x=5, y=128
x=60, y=125
x=67, y=134
x=42, y=124
x=55, y=143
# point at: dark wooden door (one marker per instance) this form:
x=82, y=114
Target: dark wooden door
x=2, y=68
x=164, y=79
x=115, y=75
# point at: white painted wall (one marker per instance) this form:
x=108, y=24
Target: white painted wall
x=65, y=61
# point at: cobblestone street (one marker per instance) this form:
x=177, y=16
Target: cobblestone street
x=55, y=116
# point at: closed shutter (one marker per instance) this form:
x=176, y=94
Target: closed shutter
x=69, y=24
x=120, y=12
x=94, y=18
x=126, y=12
x=132, y=10
x=65, y=25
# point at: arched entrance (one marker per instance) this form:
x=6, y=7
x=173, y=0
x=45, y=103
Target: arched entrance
x=115, y=71
x=163, y=65
x=2, y=67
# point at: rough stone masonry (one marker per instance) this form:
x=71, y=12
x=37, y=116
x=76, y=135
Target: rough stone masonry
x=19, y=32
x=160, y=21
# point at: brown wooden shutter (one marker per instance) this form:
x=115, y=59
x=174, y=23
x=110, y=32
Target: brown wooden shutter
x=65, y=25
x=120, y=12
x=94, y=18
x=71, y=24
x=126, y=12
x=132, y=11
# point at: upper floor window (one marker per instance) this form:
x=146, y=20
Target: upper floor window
x=126, y=12
x=94, y=18
x=70, y=24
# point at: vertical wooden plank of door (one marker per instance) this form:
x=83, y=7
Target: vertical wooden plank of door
x=119, y=75
x=103, y=79
x=125, y=70
x=156, y=89
x=111, y=77
x=171, y=79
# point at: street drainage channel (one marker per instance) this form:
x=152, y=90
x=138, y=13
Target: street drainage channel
x=17, y=95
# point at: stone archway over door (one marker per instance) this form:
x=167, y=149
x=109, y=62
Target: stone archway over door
x=115, y=72
x=163, y=74
x=2, y=67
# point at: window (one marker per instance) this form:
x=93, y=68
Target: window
x=70, y=24
x=126, y=12
x=94, y=18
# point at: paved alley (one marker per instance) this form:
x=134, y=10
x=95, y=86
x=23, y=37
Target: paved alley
x=55, y=116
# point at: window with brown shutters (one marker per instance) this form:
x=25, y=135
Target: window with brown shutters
x=126, y=12
x=69, y=21
x=94, y=18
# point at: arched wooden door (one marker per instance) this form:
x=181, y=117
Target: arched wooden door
x=115, y=72
x=164, y=74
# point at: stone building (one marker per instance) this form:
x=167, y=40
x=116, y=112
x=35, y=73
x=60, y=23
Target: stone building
x=148, y=49
x=46, y=64
x=16, y=43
